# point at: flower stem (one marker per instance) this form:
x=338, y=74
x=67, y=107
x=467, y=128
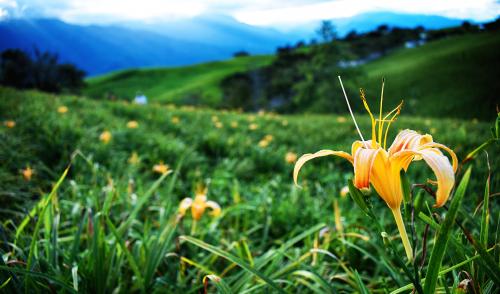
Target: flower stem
x=193, y=227
x=402, y=232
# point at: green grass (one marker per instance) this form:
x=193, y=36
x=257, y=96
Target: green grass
x=174, y=85
x=453, y=77
x=112, y=226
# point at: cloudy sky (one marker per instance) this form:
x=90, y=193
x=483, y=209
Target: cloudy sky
x=254, y=12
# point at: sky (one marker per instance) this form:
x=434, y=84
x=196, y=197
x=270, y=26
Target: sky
x=277, y=13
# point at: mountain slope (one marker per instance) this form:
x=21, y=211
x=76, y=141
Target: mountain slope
x=454, y=77
x=174, y=85
x=101, y=49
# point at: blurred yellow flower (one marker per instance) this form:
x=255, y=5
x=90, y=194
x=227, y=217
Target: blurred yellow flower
x=27, y=173
x=263, y=143
x=62, y=109
x=9, y=123
x=218, y=124
x=253, y=126
x=234, y=124
x=381, y=167
x=105, y=137
x=344, y=191
x=215, y=118
x=291, y=157
x=284, y=123
x=269, y=137
x=161, y=168
x=176, y=120
x=341, y=119
x=132, y=124
x=199, y=204
x=134, y=158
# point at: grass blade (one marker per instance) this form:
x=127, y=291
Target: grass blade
x=218, y=282
x=443, y=236
x=231, y=258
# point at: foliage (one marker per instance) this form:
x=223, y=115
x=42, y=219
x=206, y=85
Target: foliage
x=43, y=72
x=111, y=225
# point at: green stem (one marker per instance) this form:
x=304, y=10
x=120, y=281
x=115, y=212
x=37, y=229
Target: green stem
x=402, y=232
x=193, y=227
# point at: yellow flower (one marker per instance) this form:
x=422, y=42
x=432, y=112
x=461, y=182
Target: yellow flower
x=27, y=173
x=62, y=109
x=381, y=167
x=291, y=157
x=284, y=123
x=218, y=124
x=263, y=143
x=269, y=138
x=253, y=126
x=344, y=191
x=215, y=118
x=132, y=124
x=199, y=204
x=9, y=123
x=175, y=120
x=234, y=124
x=341, y=119
x=105, y=137
x=161, y=168
x=134, y=158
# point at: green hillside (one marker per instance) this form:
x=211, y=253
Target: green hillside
x=169, y=85
x=113, y=224
x=456, y=77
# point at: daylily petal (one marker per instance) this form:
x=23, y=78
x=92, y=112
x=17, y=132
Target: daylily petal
x=408, y=140
x=363, y=162
x=306, y=157
x=441, y=166
x=215, y=208
x=184, y=205
x=386, y=179
x=438, y=145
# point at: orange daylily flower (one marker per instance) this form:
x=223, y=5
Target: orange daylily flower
x=381, y=167
x=199, y=204
x=291, y=157
x=132, y=124
x=27, y=173
x=62, y=109
x=105, y=137
x=161, y=168
x=9, y=123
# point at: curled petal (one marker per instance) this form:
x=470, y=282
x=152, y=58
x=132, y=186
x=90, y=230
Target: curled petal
x=363, y=163
x=452, y=154
x=215, y=208
x=441, y=166
x=306, y=157
x=184, y=205
x=408, y=140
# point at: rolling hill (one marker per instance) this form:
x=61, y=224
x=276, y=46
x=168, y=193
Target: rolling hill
x=455, y=77
x=174, y=85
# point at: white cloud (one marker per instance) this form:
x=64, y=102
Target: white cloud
x=255, y=12
x=476, y=10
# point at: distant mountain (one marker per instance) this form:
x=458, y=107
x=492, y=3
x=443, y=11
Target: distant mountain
x=100, y=49
x=103, y=48
x=220, y=30
x=369, y=21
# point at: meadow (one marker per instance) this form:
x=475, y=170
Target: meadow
x=444, y=77
x=99, y=210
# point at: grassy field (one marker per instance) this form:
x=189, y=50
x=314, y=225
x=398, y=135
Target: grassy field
x=457, y=75
x=111, y=223
x=174, y=85
x=453, y=77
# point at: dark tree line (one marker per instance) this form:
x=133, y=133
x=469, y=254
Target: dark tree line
x=41, y=71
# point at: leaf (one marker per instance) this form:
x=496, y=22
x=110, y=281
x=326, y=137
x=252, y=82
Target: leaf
x=231, y=258
x=443, y=235
x=218, y=282
x=485, y=218
x=39, y=275
x=358, y=197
